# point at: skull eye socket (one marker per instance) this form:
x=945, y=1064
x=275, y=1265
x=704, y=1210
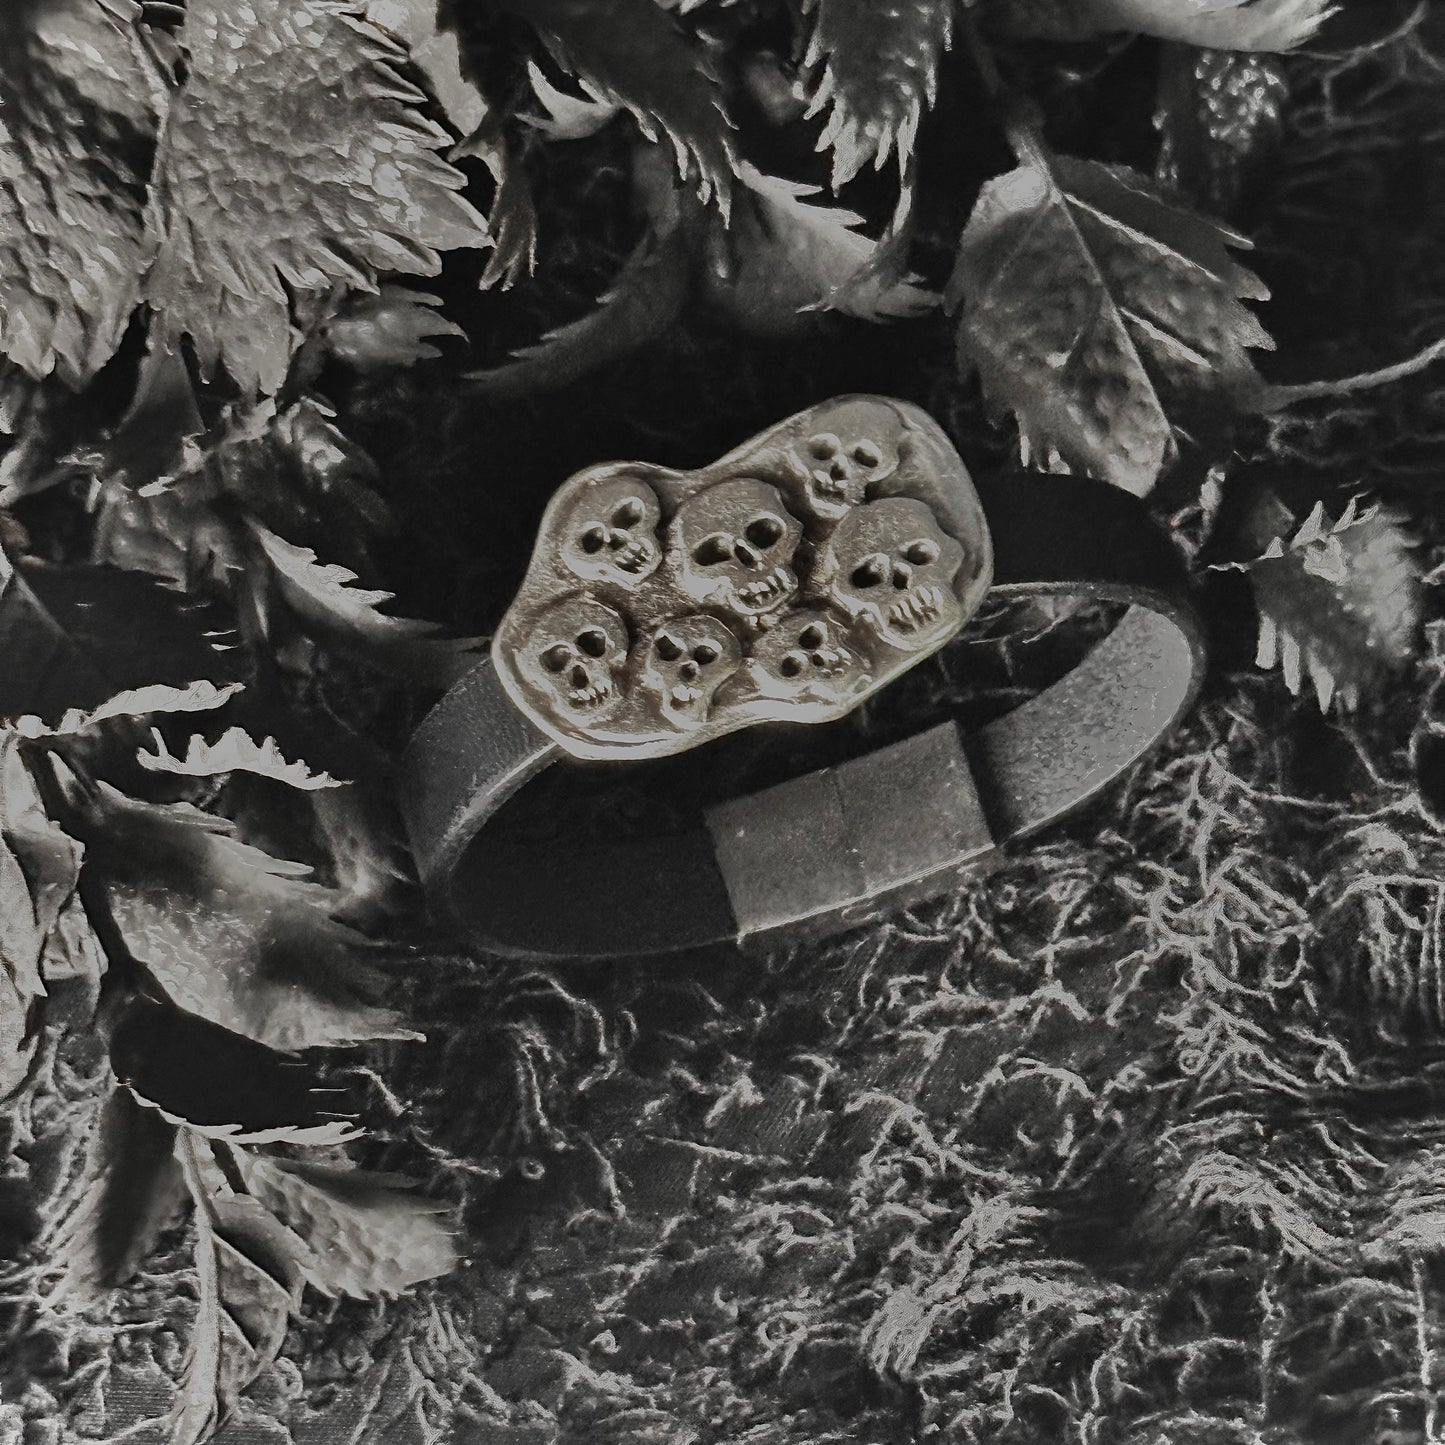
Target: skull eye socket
x=629, y=514
x=705, y=654
x=593, y=642
x=867, y=455
x=823, y=447
x=764, y=531
x=667, y=647
x=594, y=539
x=921, y=553
x=556, y=658
x=793, y=664
x=870, y=572
x=713, y=550
x=812, y=636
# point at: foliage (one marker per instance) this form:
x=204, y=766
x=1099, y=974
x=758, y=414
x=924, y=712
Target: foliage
x=1136, y=1141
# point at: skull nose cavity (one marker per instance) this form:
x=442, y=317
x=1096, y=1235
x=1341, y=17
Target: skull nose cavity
x=579, y=677
x=747, y=556
x=689, y=671
x=902, y=576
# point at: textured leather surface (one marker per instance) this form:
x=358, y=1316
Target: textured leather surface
x=569, y=896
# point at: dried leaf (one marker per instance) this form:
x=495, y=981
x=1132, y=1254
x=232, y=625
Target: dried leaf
x=133, y=1189
x=567, y=117
x=632, y=53
x=78, y=118
x=248, y=1283
x=39, y=873
x=75, y=637
x=877, y=67
x=156, y=437
x=392, y=328
x=782, y=258
x=339, y=178
x=1093, y=308
x=137, y=703
x=437, y=52
x=230, y=933
x=365, y=1233
x=513, y=217
x=1339, y=603
x=1218, y=24
x=234, y=751
x=638, y=307
x=328, y=606
x=219, y=1084
x=295, y=470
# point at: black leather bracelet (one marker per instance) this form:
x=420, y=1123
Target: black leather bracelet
x=791, y=579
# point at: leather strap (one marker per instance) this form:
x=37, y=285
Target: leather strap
x=843, y=843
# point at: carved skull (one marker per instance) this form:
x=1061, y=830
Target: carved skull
x=575, y=657
x=687, y=660
x=735, y=543
x=806, y=658
x=889, y=563
x=838, y=473
x=609, y=530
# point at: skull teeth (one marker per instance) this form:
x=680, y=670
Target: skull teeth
x=761, y=595
x=683, y=696
x=590, y=696
x=917, y=610
x=829, y=485
x=633, y=557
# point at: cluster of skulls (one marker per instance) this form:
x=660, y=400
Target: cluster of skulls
x=883, y=567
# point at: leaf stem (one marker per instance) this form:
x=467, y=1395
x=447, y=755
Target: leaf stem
x=1017, y=114
x=1274, y=398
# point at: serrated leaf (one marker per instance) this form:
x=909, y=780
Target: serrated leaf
x=234, y=751
x=365, y=1233
x=327, y=605
x=1219, y=24
x=76, y=637
x=632, y=53
x=640, y=305
x=783, y=257
x=876, y=67
x=136, y=703
x=567, y=117
x=133, y=1189
x=1095, y=310
x=293, y=469
x=231, y=934
x=294, y=157
x=78, y=118
x=248, y=1283
x=39, y=873
x=393, y=328
x=1339, y=602
x=219, y=1084
x=436, y=51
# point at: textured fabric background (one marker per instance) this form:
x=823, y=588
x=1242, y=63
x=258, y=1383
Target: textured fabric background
x=1139, y=1139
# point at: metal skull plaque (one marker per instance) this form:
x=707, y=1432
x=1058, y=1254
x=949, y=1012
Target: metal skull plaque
x=788, y=581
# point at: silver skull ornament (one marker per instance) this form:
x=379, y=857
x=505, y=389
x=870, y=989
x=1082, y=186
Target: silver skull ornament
x=735, y=544
x=608, y=529
x=806, y=658
x=891, y=564
x=839, y=471
x=686, y=660
x=575, y=656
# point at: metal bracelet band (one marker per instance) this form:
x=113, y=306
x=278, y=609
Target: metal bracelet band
x=841, y=844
